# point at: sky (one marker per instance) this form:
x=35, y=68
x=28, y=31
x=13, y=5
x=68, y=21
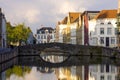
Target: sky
x=46, y=13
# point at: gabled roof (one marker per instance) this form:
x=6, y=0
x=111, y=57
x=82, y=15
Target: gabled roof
x=107, y=14
x=73, y=16
x=64, y=21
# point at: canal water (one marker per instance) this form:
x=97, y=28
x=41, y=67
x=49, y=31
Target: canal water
x=91, y=72
x=59, y=67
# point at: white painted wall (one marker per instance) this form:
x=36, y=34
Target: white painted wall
x=44, y=37
x=73, y=28
x=94, y=39
x=61, y=27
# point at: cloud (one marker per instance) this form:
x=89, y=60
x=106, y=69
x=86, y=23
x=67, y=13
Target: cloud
x=48, y=12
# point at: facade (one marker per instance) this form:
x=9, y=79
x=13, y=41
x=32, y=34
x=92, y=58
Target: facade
x=103, y=72
x=87, y=16
x=70, y=31
x=45, y=35
x=59, y=30
x=73, y=24
x=3, y=43
x=104, y=32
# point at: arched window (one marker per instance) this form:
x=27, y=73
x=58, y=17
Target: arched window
x=109, y=22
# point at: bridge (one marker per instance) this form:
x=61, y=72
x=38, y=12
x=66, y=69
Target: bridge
x=30, y=55
x=69, y=49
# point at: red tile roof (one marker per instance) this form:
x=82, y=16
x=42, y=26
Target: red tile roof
x=107, y=14
x=73, y=16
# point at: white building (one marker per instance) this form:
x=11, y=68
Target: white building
x=59, y=30
x=104, y=29
x=87, y=25
x=103, y=72
x=45, y=35
x=3, y=42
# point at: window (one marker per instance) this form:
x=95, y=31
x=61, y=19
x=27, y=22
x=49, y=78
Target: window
x=102, y=68
x=51, y=37
x=107, y=68
x=38, y=36
x=95, y=32
x=94, y=40
x=101, y=30
x=109, y=22
x=41, y=36
x=73, y=32
x=109, y=31
x=113, y=69
x=44, y=36
x=102, y=23
x=112, y=40
x=116, y=31
x=102, y=77
x=101, y=40
x=109, y=77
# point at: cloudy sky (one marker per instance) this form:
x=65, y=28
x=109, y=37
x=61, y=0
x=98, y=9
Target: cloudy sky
x=35, y=13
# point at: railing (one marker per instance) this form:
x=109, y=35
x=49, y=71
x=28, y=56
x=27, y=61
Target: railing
x=7, y=54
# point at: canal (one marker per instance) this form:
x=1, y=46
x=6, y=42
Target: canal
x=57, y=67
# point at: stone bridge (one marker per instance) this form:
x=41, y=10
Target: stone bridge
x=29, y=55
x=69, y=49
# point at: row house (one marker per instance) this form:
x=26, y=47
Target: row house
x=3, y=41
x=59, y=30
x=104, y=31
x=45, y=35
x=66, y=30
x=97, y=28
x=86, y=17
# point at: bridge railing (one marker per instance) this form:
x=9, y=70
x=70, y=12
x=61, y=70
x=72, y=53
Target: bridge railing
x=8, y=54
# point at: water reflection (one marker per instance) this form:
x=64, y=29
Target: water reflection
x=83, y=72
x=54, y=55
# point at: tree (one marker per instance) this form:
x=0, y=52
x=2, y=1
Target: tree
x=17, y=33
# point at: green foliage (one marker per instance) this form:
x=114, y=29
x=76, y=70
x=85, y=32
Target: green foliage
x=8, y=72
x=17, y=33
x=18, y=70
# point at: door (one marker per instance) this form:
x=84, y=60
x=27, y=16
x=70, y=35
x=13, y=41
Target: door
x=107, y=41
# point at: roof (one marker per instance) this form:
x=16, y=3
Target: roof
x=86, y=12
x=64, y=21
x=43, y=29
x=107, y=14
x=73, y=16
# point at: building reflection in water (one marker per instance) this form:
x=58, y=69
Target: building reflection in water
x=83, y=72
x=93, y=71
